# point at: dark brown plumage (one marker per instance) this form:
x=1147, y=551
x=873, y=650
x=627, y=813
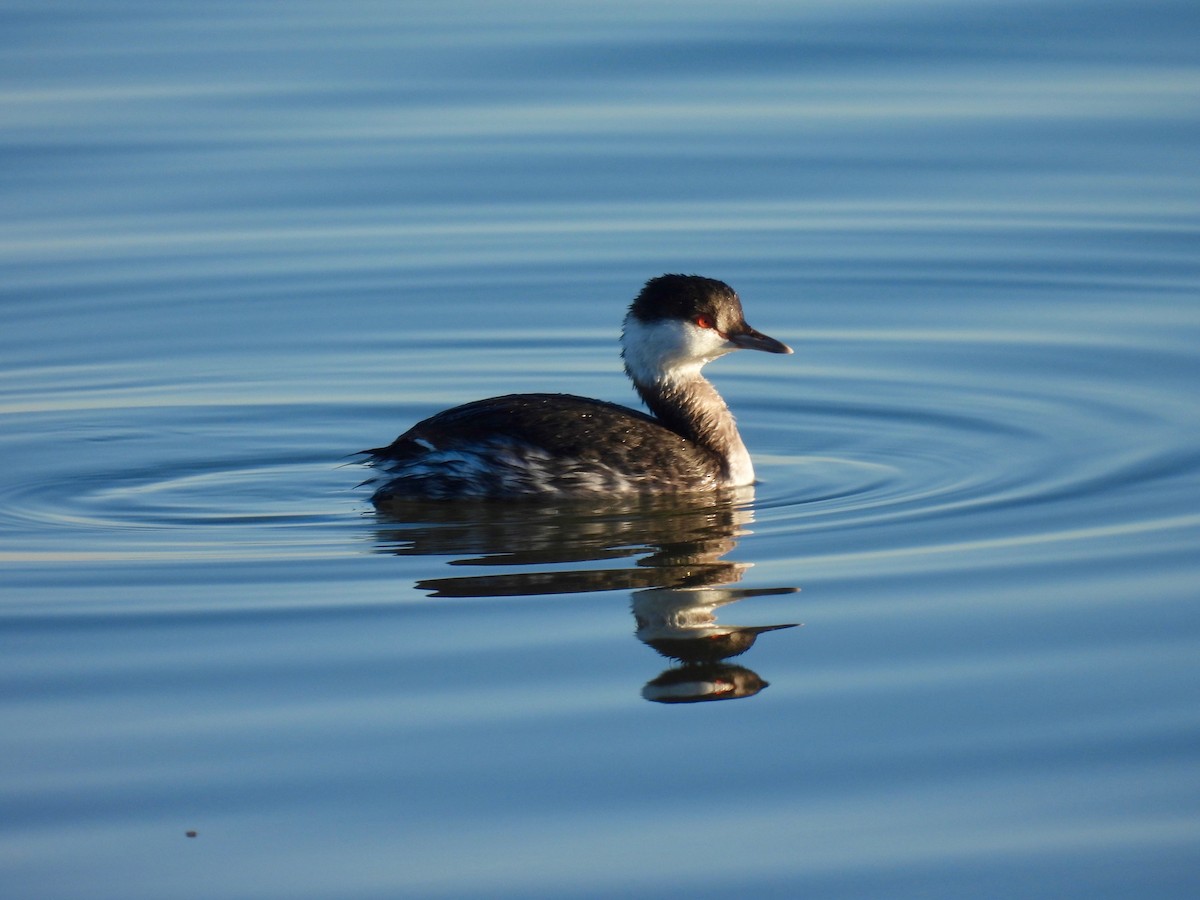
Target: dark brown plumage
x=546, y=444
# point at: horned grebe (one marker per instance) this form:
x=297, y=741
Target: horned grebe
x=559, y=444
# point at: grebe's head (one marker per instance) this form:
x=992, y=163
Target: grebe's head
x=680, y=322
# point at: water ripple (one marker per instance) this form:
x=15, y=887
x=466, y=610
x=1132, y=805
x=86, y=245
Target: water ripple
x=1006, y=458
x=897, y=444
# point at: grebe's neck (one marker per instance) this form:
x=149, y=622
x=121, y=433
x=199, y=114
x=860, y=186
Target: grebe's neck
x=692, y=407
x=666, y=374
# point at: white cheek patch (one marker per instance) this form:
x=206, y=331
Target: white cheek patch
x=668, y=348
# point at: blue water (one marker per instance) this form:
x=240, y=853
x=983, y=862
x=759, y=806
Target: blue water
x=241, y=241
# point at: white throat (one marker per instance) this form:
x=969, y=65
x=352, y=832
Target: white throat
x=668, y=350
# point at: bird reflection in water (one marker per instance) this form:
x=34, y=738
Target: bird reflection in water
x=681, y=624
x=677, y=574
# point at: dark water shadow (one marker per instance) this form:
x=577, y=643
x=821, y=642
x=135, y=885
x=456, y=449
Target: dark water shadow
x=669, y=552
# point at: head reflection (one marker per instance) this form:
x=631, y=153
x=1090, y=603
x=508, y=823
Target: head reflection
x=674, y=548
x=681, y=624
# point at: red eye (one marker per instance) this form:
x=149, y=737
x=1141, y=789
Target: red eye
x=704, y=322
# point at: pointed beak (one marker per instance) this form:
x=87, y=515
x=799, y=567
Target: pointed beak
x=756, y=340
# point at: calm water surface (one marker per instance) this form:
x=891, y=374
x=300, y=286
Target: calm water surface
x=241, y=242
